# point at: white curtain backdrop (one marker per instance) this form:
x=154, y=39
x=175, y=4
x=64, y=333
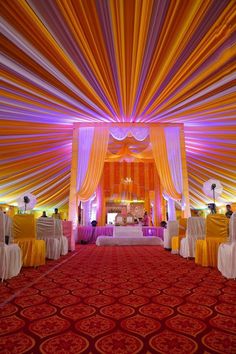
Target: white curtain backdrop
x=174, y=156
x=232, y=227
x=120, y=133
x=172, y=135
x=170, y=207
x=85, y=141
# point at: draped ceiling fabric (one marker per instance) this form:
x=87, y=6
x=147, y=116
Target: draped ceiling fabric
x=169, y=61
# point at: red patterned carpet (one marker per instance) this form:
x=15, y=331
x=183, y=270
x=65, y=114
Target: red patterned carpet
x=118, y=300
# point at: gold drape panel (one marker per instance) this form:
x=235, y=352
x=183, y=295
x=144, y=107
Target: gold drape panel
x=141, y=174
x=158, y=141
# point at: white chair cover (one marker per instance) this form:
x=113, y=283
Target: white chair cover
x=10, y=260
x=5, y=227
x=63, y=240
x=227, y=252
x=171, y=230
x=50, y=230
x=232, y=227
x=196, y=229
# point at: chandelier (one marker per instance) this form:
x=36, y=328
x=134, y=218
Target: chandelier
x=127, y=180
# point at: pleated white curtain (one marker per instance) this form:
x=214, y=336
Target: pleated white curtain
x=168, y=155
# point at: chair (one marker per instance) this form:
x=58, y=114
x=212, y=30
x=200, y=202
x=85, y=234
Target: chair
x=45, y=228
x=62, y=238
x=24, y=233
x=119, y=219
x=195, y=230
x=227, y=252
x=10, y=255
x=216, y=233
x=171, y=230
x=130, y=219
x=50, y=230
x=175, y=241
x=69, y=234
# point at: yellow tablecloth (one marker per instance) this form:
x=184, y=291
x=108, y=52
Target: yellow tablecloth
x=207, y=251
x=33, y=252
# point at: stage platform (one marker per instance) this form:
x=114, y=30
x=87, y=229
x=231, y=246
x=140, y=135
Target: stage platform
x=128, y=241
x=90, y=234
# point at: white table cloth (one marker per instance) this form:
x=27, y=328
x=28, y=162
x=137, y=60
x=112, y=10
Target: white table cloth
x=10, y=260
x=127, y=231
x=5, y=227
x=125, y=241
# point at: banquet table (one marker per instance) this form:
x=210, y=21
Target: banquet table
x=90, y=234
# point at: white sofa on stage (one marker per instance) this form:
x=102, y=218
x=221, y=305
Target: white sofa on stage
x=227, y=252
x=127, y=235
x=127, y=231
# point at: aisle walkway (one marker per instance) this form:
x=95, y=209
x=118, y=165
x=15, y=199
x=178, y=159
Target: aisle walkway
x=118, y=300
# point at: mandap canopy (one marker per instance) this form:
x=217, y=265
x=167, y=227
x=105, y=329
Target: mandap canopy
x=88, y=61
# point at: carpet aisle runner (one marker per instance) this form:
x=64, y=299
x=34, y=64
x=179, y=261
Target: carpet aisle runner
x=118, y=300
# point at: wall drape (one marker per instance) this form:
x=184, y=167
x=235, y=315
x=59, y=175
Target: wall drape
x=158, y=141
x=89, y=149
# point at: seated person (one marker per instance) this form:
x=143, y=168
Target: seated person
x=229, y=211
x=56, y=215
x=163, y=224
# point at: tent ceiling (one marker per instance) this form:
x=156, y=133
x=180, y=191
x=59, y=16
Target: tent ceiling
x=115, y=61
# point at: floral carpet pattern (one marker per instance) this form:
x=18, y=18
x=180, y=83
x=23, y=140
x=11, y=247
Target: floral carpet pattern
x=118, y=300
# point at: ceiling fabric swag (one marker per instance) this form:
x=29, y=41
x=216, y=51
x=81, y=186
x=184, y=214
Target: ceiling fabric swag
x=120, y=133
x=158, y=141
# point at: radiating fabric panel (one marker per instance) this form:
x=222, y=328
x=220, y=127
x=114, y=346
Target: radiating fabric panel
x=158, y=141
x=115, y=61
